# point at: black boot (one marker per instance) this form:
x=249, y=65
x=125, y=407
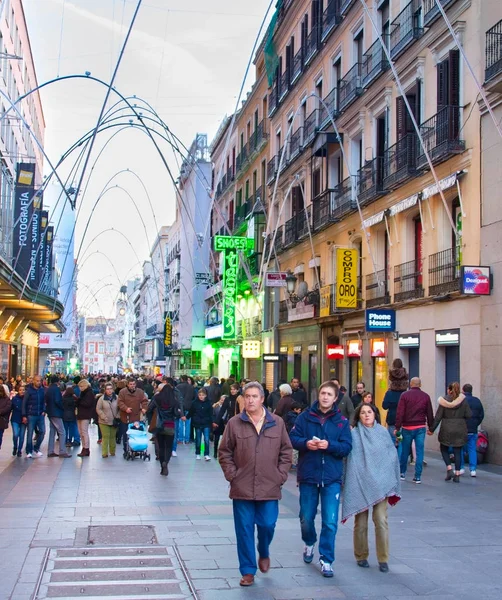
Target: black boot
x=164, y=471
x=449, y=474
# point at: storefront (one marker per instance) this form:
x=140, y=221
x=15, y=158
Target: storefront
x=409, y=346
x=448, y=345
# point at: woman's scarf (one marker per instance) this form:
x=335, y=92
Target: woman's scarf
x=372, y=471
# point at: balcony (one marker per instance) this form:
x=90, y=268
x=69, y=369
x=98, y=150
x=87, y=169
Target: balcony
x=297, y=66
x=241, y=212
x=440, y=135
x=331, y=17
x=350, y=87
x=370, y=180
x=344, y=196
x=493, y=65
x=281, y=167
x=345, y=6
x=242, y=158
x=304, y=223
x=399, y=162
x=310, y=127
x=374, y=63
x=271, y=169
x=431, y=11
x=291, y=232
x=296, y=144
x=256, y=139
x=279, y=239
x=273, y=100
x=283, y=85
x=444, y=272
x=377, y=291
x=256, y=202
x=331, y=102
x=405, y=28
x=311, y=45
x=408, y=281
x=323, y=207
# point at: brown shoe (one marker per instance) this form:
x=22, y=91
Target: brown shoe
x=246, y=580
x=65, y=455
x=52, y=455
x=264, y=564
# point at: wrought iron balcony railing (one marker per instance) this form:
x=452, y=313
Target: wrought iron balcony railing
x=310, y=127
x=344, y=198
x=322, y=210
x=296, y=144
x=331, y=102
x=283, y=85
x=279, y=239
x=440, y=135
x=350, y=87
x=406, y=28
x=431, y=11
x=408, y=281
x=400, y=162
x=444, y=272
x=271, y=169
x=331, y=17
x=370, y=179
x=311, y=45
x=493, y=51
x=377, y=289
x=345, y=6
x=273, y=100
x=297, y=66
x=304, y=223
x=374, y=62
x=290, y=232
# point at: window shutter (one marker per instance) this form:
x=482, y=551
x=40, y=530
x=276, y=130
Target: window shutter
x=442, y=84
x=400, y=118
x=454, y=78
x=412, y=100
x=295, y=200
x=418, y=103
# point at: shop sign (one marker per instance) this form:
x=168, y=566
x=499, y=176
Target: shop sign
x=409, y=340
x=346, y=278
x=313, y=348
x=378, y=349
x=229, y=242
x=272, y=358
x=335, y=352
x=444, y=184
x=251, y=349
x=168, y=335
x=275, y=279
x=354, y=349
x=203, y=278
x=301, y=311
x=448, y=338
x=325, y=301
x=297, y=348
x=283, y=349
x=214, y=332
x=475, y=281
x=380, y=320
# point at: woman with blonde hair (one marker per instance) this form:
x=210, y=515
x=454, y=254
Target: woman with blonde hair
x=86, y=409
x=453, y=413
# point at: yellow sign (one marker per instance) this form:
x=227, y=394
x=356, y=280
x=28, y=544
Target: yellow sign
x=325, y=301
x=25, y=177
x=251, y=349
x=346, y=278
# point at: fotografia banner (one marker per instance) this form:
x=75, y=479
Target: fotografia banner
x=35, y=270
x=23, y=211
x=47, y=272
x=44, y=221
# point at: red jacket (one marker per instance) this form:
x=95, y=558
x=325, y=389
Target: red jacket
x=414, y=408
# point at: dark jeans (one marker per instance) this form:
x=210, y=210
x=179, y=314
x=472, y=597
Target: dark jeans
x=330, y=501
x=18, y=433
x=39, y=424
x=165, y=447
x=1, y=436
x=198, y=438
x=445, y=453
x=216, y=443
x=247, y=514
x=71, y=431
x=408, y=436
x=122, y=434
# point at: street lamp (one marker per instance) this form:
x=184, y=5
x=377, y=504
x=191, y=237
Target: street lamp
x=291, y=280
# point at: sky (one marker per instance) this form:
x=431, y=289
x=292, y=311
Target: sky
x=187, y=58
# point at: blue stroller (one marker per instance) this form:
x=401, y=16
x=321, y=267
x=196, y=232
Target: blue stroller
x=136, y=441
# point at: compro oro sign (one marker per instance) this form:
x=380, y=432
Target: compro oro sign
x=346, y=278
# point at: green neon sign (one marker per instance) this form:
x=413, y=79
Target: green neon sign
x=230, y=247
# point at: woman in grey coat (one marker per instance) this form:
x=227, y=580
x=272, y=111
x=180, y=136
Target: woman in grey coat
x=452, y=413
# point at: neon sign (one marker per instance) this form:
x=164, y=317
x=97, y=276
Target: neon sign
x=230, y=247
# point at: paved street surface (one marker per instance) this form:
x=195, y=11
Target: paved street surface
x=79, y=528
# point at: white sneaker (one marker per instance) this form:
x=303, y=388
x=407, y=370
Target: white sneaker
x=326, y=568
x=462, y=471
x=197, y=456
x=473, y=473
x=173, y=453
x=207, y=458
x=29, y=456
x=38, y=454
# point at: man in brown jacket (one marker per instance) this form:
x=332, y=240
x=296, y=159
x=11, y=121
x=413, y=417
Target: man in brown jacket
x=255, y=454
x=132, y=404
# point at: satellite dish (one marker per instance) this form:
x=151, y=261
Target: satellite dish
x=303, y=289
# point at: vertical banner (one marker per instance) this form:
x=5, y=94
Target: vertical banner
x=346, y=278
x=34, y=278
x=44, y=222
x=168, y=335
x=23, y=211
x=47, y=272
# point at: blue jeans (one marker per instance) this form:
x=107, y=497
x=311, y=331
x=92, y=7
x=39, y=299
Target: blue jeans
x=247, y=514
x=184, y=430
x=392, y=432
x=18, y=433
x=471, y=449
x=71, y=431
x=408, y=436
x=330, y=500
x=39, y=424
x=198, y=437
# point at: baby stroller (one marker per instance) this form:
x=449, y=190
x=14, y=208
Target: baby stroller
x=136, y=441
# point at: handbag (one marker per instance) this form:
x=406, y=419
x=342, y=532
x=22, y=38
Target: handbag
x=152, y=427
x=116, y=422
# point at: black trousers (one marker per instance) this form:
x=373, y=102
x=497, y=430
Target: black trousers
x=165, y=447
x=445, y=452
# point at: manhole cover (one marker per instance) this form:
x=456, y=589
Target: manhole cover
x=121, y=535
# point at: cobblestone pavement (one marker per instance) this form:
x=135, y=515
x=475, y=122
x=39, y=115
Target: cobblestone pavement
x=446, y=539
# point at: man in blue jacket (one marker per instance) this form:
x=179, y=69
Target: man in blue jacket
x=322, y=437
x=478, y=414
x=55, y=412
x=33, y=412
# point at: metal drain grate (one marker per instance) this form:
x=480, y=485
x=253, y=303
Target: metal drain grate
x=135, y=573
x=120, y=535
